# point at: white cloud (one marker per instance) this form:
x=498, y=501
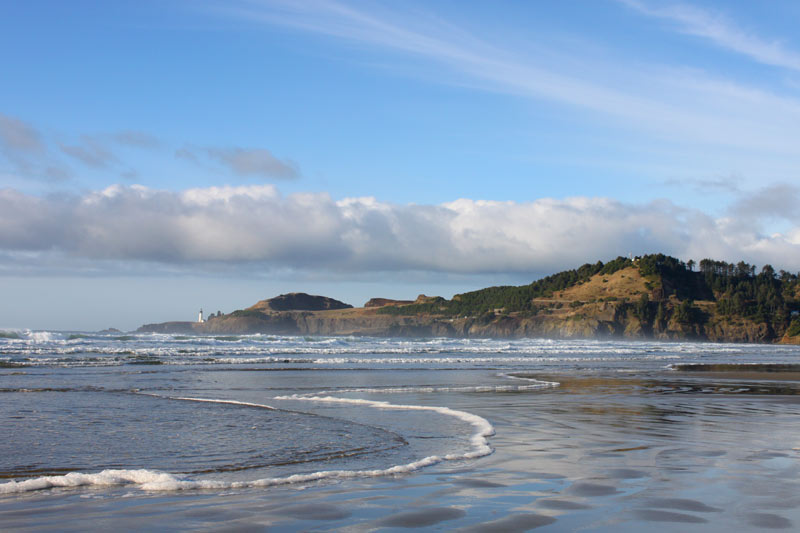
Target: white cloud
x=256, y=228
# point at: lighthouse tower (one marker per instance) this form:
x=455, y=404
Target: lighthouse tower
x=200, y=316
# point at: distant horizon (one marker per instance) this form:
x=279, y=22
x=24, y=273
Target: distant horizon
x=157, y=157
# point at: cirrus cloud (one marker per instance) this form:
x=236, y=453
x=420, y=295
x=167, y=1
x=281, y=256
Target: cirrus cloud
x=722, y=32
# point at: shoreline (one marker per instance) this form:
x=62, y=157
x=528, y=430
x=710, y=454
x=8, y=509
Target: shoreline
x=601, y=452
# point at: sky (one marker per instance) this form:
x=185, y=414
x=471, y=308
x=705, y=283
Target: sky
x=161, y=156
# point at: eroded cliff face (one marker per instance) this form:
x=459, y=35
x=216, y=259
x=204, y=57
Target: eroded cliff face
x=619, y=305
x=274, y=323
x=188, y=328
x=328, y=323
x=597, y=320
x=741, y=331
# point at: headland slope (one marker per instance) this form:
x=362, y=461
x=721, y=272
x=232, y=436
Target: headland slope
x=650, y=297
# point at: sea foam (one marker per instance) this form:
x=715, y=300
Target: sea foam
x=151, y=480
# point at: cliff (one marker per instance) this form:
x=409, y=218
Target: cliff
x=598, y=320
x=647, y=299
x=189, y=328
x=792, y=335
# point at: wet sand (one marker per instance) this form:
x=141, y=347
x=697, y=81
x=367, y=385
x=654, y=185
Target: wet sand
x=668, y=451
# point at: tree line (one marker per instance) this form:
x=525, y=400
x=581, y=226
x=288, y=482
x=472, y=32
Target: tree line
x=736, y=289
x=507, y=297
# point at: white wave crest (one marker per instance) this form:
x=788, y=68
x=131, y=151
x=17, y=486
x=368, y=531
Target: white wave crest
x=151, y=480
x=536, y=384
x=478, y=440
x=41, y=337
x=229, y=402
x=539, y=384
x=78, y=479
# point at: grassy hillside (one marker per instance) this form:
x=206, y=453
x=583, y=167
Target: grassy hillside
x=510, y=298
x=658, y=291
x=650, y=297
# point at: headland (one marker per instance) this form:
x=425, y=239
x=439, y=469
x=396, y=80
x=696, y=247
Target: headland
x=650, y=297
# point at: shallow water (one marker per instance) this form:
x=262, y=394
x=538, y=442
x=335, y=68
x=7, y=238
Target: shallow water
x=358, y=433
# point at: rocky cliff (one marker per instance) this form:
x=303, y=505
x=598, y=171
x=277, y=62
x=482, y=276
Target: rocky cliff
x=189, y=328
x=595, y=320
x=619, y=302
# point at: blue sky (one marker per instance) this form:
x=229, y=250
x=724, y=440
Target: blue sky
x=156, y=157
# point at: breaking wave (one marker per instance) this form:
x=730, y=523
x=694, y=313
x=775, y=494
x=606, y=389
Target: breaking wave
x=151, y=480
x=70, y=349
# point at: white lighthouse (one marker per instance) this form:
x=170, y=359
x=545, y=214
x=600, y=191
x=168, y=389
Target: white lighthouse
x=200, y=316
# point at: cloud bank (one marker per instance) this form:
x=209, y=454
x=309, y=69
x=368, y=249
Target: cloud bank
x=255, y=228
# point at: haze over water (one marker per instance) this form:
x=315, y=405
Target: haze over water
x=176, y=432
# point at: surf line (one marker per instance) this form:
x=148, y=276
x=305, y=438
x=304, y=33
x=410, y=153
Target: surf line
x=212, y=400
x=538, y=383
x=152, y=480
x=479, y=439
x=205, y=400
x=534, y=384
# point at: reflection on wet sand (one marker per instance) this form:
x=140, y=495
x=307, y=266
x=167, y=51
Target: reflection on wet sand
x=705, y=449
x=686, y=379
x=666, y=450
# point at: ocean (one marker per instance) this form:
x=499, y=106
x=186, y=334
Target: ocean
x=249, y=433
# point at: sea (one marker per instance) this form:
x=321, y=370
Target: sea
x=151, y=432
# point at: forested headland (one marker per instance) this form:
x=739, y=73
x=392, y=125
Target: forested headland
x=650, y=297
x=690, y=293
